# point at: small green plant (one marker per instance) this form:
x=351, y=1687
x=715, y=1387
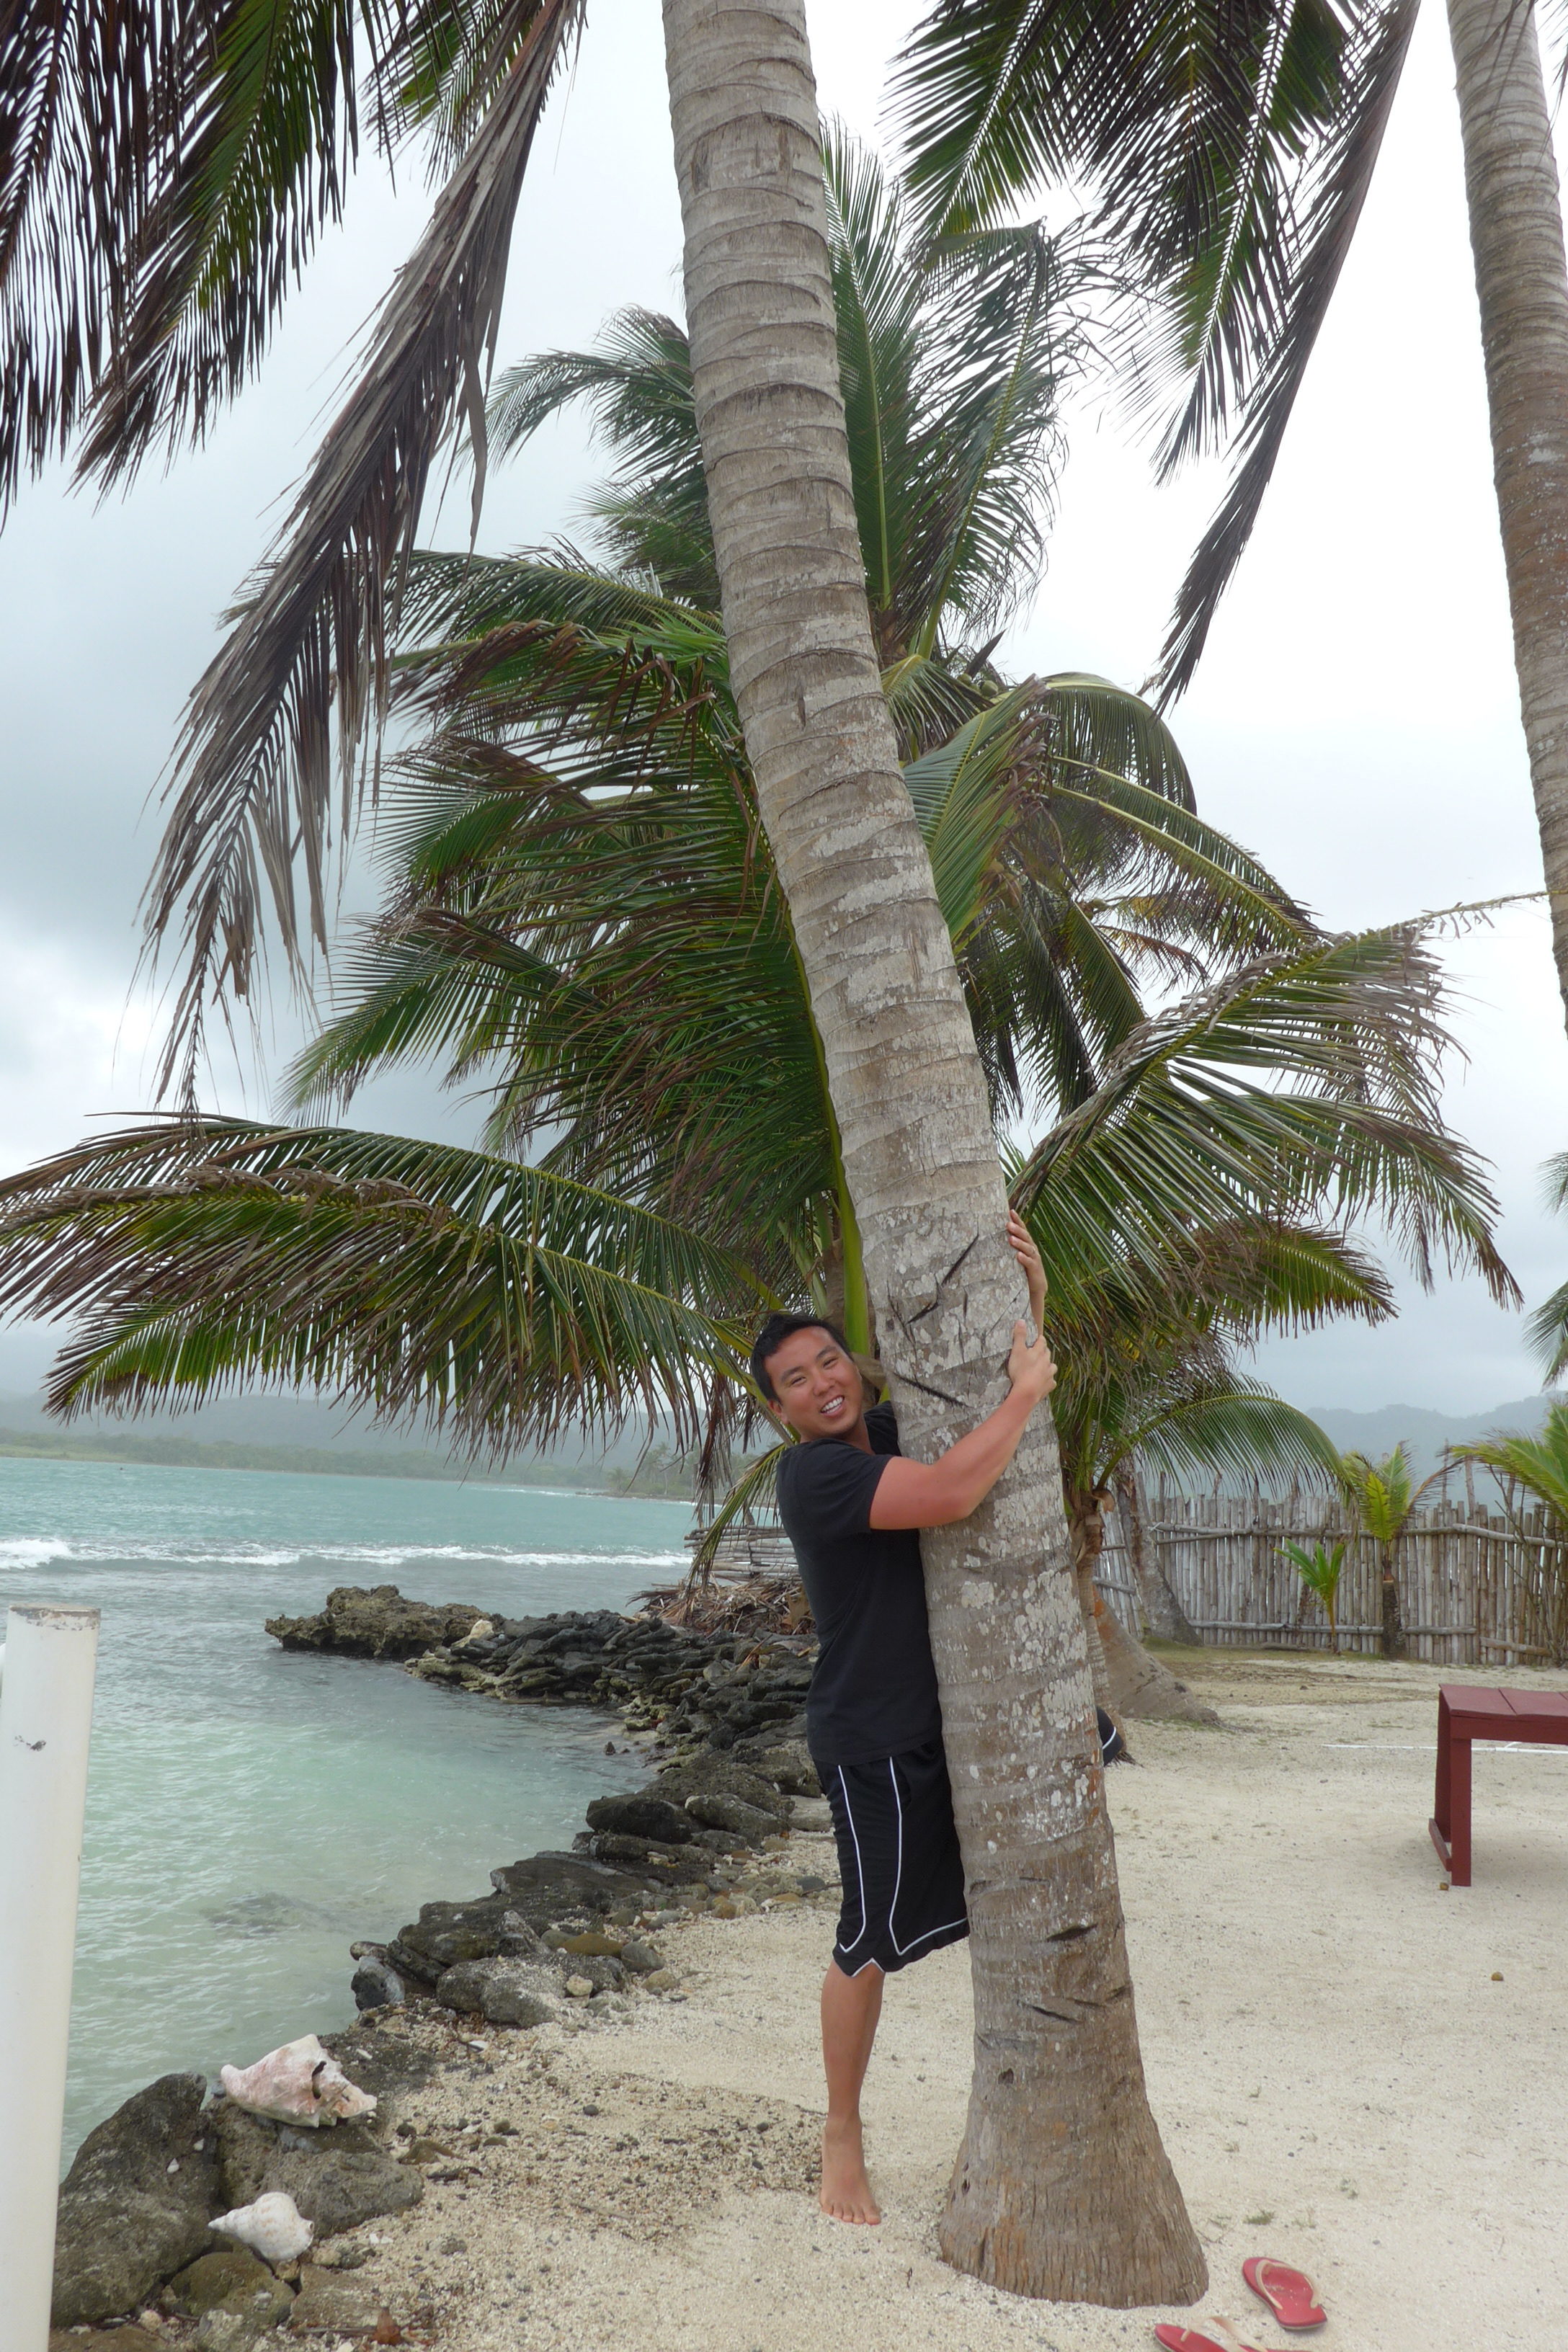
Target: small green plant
x=1318, y=1570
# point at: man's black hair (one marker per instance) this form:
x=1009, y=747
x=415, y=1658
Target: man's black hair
x=773, y=1335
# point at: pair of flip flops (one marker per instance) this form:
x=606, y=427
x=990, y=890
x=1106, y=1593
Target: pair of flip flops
x=1288, y=2293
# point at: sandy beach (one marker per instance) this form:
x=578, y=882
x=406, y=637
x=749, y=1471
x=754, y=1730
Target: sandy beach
x=1355, y=2071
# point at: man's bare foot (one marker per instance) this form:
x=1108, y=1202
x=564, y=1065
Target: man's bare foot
x=846, y=2192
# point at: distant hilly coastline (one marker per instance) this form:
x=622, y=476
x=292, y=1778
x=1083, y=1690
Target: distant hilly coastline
x=289, y=1433
x=1425, y=1434
x=282, y=1433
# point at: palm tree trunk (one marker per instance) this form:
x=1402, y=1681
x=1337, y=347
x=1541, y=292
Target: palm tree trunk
x=1393, y=1638
x=1062, y=2188
x=1130, y=1684
x=1086, y=1534
x=1522, y=280
x=1163, y=1614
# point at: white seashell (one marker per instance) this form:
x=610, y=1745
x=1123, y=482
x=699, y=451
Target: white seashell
x=296, y=2084
x=273, y=2226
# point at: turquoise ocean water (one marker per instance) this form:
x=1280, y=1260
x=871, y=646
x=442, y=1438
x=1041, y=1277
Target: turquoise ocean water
x=251, y=1812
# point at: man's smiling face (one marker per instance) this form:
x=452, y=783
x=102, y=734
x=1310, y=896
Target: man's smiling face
x=816, y=1385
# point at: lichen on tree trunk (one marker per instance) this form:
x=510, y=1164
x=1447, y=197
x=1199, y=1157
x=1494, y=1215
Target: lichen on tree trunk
x=1062, y=2188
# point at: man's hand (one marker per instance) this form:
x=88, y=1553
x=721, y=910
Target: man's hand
x=1023, y=1247
x=1029, y=1366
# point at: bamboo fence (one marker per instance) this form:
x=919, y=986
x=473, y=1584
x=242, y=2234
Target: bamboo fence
x=1477, y=1587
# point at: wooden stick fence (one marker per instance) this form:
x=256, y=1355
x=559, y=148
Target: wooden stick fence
x=1477, y=1588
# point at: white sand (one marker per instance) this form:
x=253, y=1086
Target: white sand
x=1340, y=2082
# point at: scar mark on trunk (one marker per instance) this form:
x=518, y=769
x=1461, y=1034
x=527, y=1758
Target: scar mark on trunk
x=1070, y=1934
x=1058, y=2016
x=930, y=1306
x=910, y=1381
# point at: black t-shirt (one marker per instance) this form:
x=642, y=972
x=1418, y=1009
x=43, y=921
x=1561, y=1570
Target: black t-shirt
x=874, y=1690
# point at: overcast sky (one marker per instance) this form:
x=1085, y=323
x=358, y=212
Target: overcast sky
x=1355, y=721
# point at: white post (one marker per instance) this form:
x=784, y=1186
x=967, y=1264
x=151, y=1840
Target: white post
x=45, y=1718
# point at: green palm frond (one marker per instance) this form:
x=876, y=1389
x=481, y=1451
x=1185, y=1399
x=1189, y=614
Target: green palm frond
x=617, y=967
x=653, y=515
x=1305, y=1084
x=1238, y=1432
x=273, y=726
x=1539, y=1464
x=1320, y=1571
x=1228, y=154
x=1547, y=1330
x=881, y=305
x=456, y=599
x=1004, y=335
x=1138, y=1337
x=503, y=1304
x=1382, y=1494
x=755, y=1486
x=1378, y=43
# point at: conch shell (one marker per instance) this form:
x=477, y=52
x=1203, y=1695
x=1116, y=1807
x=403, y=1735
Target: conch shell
x=297, y=2085
x=273, y=2226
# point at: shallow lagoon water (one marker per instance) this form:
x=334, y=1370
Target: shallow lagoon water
x=250, y=1811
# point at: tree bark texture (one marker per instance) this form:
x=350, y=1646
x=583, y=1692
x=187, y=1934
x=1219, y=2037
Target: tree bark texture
x=1062, y=2188
x=1522, y=283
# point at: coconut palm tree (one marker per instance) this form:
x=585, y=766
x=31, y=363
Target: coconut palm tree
x=1383, y=1495
x=162, y=264
x=163, y=178
x=1320, y=1571
x=1066, y=853
x=1232, y=152
x=1537, y=1467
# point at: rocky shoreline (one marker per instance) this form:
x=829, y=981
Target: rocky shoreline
x=681, y=1687
x=563, y=1942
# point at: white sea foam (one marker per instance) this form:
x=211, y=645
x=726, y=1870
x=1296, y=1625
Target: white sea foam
x=32, y=1551
x=28, y=1551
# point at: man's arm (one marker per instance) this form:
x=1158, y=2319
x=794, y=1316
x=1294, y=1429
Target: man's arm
x=935, y=1494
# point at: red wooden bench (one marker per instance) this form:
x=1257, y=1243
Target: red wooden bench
x=1466, y=1713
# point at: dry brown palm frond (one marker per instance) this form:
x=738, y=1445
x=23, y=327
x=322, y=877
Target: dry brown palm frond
x=254, y=784
x=87, y=96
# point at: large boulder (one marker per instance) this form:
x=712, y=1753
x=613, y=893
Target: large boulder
x=337, y=2178
x=732, y=1814
x=640, y=1816
x=786, y=1765
x=334, y=2305
x=376, y=1621
x=375, y=1983
x=134, y=2205
x=544, y=1887
x=715, y=1776
x=503, y=1992
x=446, y=1934
x=233, y=2277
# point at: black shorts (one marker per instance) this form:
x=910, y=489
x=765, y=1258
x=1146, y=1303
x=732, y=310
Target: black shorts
x=898, y=1859
x=898, y=1854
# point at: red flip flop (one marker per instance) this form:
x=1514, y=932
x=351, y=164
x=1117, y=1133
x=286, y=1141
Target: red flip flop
x=1190, y=2339
x=1287, y=2292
